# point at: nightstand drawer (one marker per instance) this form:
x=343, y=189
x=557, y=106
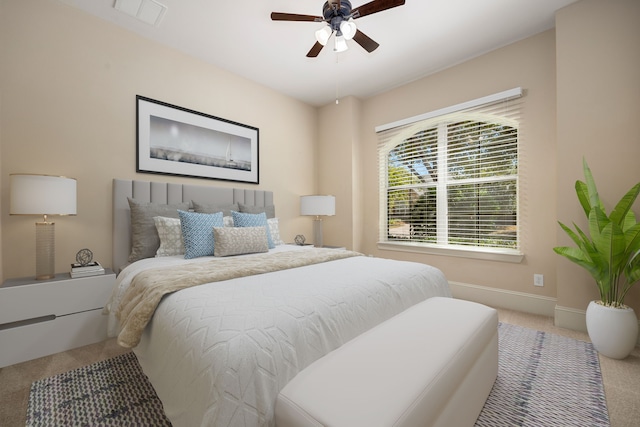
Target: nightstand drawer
x=38, y=318
x=22, y=299
x=63, y=333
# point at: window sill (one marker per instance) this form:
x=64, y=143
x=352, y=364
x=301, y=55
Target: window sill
x=504, y=255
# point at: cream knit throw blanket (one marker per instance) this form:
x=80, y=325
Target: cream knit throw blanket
x=148, y=287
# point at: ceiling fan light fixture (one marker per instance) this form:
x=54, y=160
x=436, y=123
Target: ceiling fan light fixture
x=338, y=15
x=340, y=44
x=323, y=34
x=348, y=29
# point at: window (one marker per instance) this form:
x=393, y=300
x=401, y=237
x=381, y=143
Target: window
x=449, y=179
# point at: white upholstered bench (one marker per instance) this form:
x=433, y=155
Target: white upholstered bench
x=432, y=365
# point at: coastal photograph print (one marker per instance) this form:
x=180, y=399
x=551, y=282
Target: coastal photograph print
x=173, y=140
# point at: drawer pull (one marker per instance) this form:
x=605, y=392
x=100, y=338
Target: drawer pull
x=26, y=322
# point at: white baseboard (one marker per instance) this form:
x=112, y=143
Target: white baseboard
x=563, y=317
x=511, y=300
x=572, y=318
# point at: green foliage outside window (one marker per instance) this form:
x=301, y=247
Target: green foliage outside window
x=479, y=186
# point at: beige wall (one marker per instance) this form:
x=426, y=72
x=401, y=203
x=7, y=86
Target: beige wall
x=338, y=164
x=598, y=76
x=529, y=64
x=68, y=85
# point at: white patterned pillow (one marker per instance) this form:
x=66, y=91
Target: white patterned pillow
x=170, y=234
x=228, y=221
x=274, y=228
x=239, y=240
x=197, y=232
x=253, y=220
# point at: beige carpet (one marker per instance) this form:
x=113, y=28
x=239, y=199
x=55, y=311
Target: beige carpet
x=621, y=377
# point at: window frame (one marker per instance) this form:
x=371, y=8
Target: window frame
x=411, y=126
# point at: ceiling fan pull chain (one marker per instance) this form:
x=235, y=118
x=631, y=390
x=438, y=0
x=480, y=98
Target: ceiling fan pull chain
x=337, y=80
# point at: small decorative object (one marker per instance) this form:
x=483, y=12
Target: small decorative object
x=610, y=251
x=299, y=240
x=84, y=257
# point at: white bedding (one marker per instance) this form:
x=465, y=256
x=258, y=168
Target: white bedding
x=218, y=354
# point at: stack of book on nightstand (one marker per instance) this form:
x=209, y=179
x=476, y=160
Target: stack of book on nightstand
x=92, y=269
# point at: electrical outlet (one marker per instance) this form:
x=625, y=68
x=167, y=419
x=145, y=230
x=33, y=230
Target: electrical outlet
x=538, y=280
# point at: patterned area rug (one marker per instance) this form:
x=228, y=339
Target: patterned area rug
x=113, y=392
x=543, y=380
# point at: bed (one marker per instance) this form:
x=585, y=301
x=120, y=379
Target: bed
x=218, y=353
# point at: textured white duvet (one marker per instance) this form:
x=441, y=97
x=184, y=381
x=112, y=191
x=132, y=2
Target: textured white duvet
x=218, y=354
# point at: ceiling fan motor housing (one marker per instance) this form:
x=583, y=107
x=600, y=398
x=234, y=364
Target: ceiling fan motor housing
x=334, y=15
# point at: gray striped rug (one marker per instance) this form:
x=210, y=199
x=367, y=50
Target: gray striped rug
x=543, y=380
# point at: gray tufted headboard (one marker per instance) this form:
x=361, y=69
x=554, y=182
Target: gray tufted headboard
x=163, y=192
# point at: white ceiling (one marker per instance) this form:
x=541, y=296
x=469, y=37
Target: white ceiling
x=416, y=39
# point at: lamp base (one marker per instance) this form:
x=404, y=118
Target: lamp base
x=317, y=232
x=45, y=250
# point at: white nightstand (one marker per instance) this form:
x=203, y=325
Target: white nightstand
x=42, y=317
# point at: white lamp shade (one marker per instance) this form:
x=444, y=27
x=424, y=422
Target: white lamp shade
x=341, y=44
x=318, y=205
x=42, y=195
x=323, y=34
x=348, y=29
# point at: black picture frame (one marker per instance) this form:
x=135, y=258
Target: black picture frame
x=173, y=140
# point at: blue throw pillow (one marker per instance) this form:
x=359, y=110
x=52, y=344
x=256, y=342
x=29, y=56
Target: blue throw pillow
x=197, y=232
x=241, y=219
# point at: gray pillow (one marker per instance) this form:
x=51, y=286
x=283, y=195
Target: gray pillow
x=144, y=235
x=239, y=240
x=269, y=210
x=212, y=208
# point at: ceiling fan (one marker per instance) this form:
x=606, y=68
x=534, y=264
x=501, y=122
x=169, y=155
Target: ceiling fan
x=339, y=17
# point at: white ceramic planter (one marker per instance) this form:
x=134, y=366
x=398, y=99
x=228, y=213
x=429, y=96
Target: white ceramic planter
x=613, y=331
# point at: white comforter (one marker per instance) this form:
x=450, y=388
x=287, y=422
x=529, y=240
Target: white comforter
x=218, y=354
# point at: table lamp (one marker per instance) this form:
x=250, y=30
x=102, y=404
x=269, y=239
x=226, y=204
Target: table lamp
x=43, y=195
x=317, y=206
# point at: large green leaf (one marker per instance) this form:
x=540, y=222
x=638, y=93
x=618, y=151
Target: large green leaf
x=619, y=213
x=632, y=269
x=577, y=256
x=632, y=239
x=594, y=198
x=632, y=272
x=583, y=197
x=618, y=245
x=598, y=220
x=629, y=221
x=576, y=239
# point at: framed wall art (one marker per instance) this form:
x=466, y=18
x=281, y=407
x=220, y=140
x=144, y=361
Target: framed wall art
x=173, y=140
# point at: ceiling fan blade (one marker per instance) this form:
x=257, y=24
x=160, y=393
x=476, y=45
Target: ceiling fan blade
x=279, y=16
x=365, y=41
x=315, y=50
x=376, y=6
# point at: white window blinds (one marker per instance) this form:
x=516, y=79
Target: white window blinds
x=450, y=177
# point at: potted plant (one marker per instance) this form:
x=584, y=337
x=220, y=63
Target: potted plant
x=610, y=251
